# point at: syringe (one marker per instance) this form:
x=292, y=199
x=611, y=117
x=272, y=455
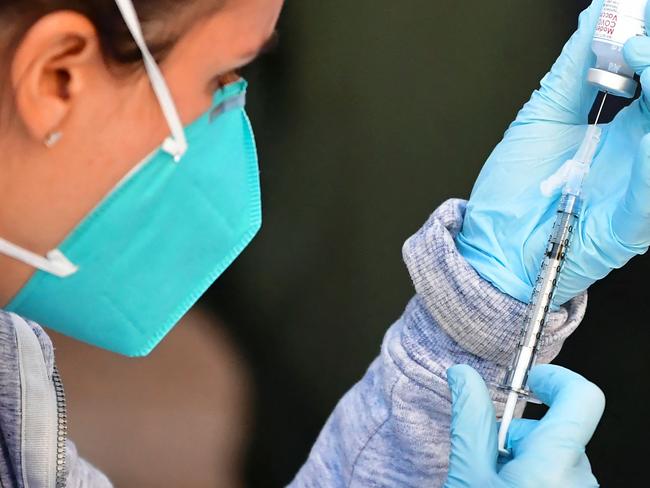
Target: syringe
x=542, y=298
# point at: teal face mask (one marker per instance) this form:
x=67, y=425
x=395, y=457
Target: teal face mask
x=125, y=276
x=158, y=241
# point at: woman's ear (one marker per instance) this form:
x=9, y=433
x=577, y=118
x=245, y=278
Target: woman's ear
x=51, y=68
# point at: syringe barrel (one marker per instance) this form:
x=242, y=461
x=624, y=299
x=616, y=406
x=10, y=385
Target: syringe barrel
x=543, y=293
x=619, y=21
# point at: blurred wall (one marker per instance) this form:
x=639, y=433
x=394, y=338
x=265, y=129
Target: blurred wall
x=178, y=418
x=368, y=116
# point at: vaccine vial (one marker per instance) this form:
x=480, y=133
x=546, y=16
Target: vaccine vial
x=619, y=21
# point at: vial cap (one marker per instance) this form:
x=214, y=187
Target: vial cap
x=618, y=85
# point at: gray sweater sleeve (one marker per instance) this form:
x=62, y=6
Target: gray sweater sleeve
x=392, y=428
x=82, y=474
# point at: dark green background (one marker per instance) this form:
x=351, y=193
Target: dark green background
x=369, y=115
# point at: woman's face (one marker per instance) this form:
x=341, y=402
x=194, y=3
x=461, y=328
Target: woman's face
x=109, y=121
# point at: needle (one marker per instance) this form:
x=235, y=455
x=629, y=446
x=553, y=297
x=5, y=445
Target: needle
x=602, y=104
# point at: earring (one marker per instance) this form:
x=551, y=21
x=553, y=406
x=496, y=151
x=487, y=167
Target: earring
x=52, y=138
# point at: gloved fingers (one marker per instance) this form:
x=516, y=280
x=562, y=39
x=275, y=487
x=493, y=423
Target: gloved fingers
x=631, y=218
x=576, y=406
x=473, y=423
x=585, y=474
x=518, y=431
x=565, y=95
x=637, y=49
x=518, y=434
x=637, y=53
x=554, y=470
x=645, y=92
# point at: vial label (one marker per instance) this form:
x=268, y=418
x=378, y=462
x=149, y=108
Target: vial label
x=620, y=20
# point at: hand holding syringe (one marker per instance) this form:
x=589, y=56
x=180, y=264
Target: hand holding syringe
x=568, y=211
x=612, y=75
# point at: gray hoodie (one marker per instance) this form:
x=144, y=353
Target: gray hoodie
x=390, y=430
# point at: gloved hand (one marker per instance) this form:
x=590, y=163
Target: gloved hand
x=546, y=453
x=508, y=220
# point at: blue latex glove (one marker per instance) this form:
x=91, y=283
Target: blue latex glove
x=546, y=453
x=508, y=219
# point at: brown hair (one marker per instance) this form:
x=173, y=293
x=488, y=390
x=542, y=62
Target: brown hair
x=17, y=16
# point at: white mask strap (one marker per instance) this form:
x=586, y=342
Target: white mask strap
x=176, y=145
x=54, y=262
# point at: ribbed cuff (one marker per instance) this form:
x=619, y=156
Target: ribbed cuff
x=475, y=314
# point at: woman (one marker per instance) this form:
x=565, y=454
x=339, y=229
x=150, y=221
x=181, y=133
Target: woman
x=127, y=191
